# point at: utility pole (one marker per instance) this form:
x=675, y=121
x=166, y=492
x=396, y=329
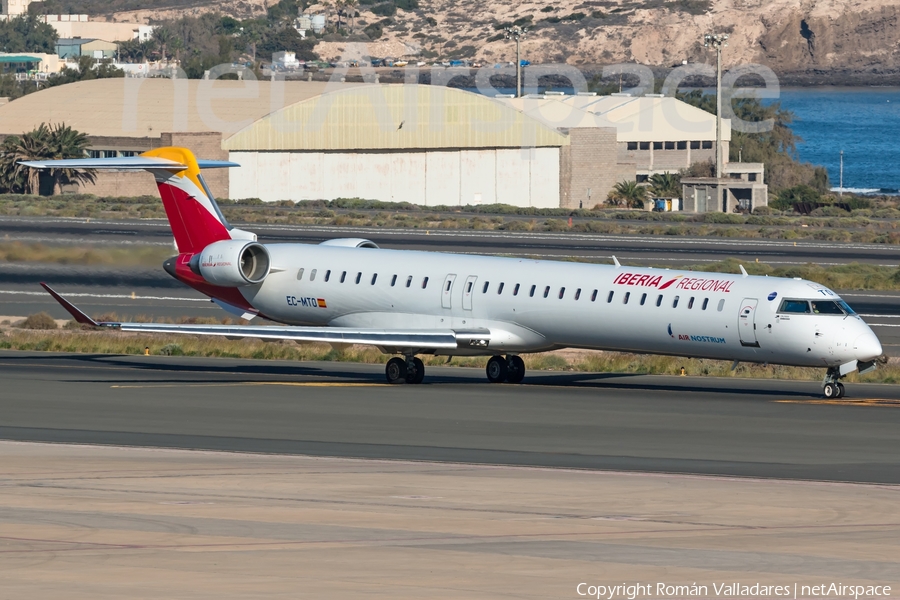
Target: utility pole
x=718, y=41
x=841, y=190
x=517, y=33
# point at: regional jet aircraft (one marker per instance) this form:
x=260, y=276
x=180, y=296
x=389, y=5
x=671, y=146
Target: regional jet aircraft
x=350, y=291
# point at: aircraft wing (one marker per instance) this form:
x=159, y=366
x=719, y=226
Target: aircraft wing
x=391, y=338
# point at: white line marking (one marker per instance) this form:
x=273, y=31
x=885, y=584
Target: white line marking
x=86, y=295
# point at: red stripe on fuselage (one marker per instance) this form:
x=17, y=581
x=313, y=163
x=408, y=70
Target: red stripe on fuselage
x=192, y=225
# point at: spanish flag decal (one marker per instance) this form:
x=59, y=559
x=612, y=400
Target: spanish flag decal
x=321, y=302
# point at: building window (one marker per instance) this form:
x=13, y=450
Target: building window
x=393, y=280
x=127, y=153
x=707, y=145
x=300, y=274
x=500, y=288
x=327, y=275
x=657, y=145
x=610, y=297
x=424, y=283
x=93, y=153
x=374, y=277
x=675, y=302
x=358, y=277
x=632, y=145
x=312, y=275
x=670, y=145
x=108, y=154
x=594, y=296
x=562, y=292
x=516, y=290
x=485, y=289
x=643, y=299
x=695, y=145
x=645, y=145
x=409, y=282
x=682, y=145
x=721, y=304
x=578, y=293
x=751, y=176
x=546, y=291
x=705, y=303
x=642, y=178
x=343, y=276
x=734, y=175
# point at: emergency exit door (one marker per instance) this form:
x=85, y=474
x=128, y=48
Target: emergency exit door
x=447, y=291
x=469, y=291
x=747, y=323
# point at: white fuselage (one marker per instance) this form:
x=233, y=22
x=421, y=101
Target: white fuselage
x=720, y=316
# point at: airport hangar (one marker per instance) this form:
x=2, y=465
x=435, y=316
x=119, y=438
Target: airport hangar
x=427, y=145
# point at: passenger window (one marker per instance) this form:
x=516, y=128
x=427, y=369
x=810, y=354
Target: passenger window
x=675, y=302
x=562, y=292
x=594, y=296
x=691, y=303
x=721, y=304
x=578, y=293
x=327, y=275
x=500, y=288
x=343, y=276
x=610, y=297
x=546, y=291
x=627, y=296
x=449, y=283
x=468, y=288
x=312, y=275
x=393, y=280
x=705, y=303
x=659, y=300
x=516, y=290
x=531, y=294
x=643, y=299
x=424, y=283
x=374, y=277
x=359, y=277
x=486, y=285
x=794, y=306
x=299, y=274
x=409, y=281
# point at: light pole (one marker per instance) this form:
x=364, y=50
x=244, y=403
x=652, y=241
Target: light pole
x=841, y=189
x=517, y=33
x=718, y=41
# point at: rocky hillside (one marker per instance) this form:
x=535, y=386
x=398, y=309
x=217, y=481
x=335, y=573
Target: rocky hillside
x=808, y=41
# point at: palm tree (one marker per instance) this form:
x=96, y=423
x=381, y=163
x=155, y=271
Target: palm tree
x=351, y=6
x=163, y=36
x=65, y=142
x=43, y=143
x=665, y=185
x=629, y=193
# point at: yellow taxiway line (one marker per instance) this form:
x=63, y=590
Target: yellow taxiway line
x=847, y=402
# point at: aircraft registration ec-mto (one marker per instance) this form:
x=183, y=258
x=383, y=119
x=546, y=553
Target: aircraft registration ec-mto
x=408, y=303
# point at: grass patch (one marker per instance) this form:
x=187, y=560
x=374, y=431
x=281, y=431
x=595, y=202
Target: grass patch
x=119, y=256
x=108, y=342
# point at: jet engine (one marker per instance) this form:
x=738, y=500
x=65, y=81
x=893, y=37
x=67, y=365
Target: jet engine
x=232, y=263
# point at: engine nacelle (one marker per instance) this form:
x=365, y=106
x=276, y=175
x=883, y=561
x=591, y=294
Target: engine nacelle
x=350, y=243
x=232, y=263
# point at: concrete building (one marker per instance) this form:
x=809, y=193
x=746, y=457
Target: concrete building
x=14, y=7
x=28, y=65
x=74, y=47
x=741, y=190
x=79, y=26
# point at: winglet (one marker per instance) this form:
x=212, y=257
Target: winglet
x=80, y=317
x=616, y=262
x=744, y=271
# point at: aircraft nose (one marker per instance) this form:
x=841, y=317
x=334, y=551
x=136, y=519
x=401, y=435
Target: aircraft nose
x=867, y=346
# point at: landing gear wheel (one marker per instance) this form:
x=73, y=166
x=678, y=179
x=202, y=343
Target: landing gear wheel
x=417, y=373
x=516, y=369
x=395, y=370
x=831, y=390
x=840, y=390
x=496, y=369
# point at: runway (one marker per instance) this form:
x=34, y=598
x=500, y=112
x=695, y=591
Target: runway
x=734, y=427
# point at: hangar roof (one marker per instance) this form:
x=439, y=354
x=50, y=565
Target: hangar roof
x=135, y=107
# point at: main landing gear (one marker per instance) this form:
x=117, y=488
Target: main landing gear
x=405, y=370
x=832, y=387
x=510, y=369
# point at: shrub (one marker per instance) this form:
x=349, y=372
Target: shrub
x=171, y=350
x=388, y=9
x=39, y=320
x=762, y=211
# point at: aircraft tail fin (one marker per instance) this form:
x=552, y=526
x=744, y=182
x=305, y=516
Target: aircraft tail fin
x=193, y=214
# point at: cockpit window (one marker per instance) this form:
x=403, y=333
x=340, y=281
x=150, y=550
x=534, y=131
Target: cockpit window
x=826, y=307
x=846, y=307
x=794, y=306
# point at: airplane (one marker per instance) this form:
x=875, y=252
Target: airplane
x=410, y=303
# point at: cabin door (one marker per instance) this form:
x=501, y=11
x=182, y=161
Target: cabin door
x=469, y=291
x=747, y=323
x=447, y=291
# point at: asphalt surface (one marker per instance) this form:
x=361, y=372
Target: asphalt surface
x=732, y=427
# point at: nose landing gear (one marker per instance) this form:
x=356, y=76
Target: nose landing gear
x=831, y=386
x=510, y=369
x=405, y=370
